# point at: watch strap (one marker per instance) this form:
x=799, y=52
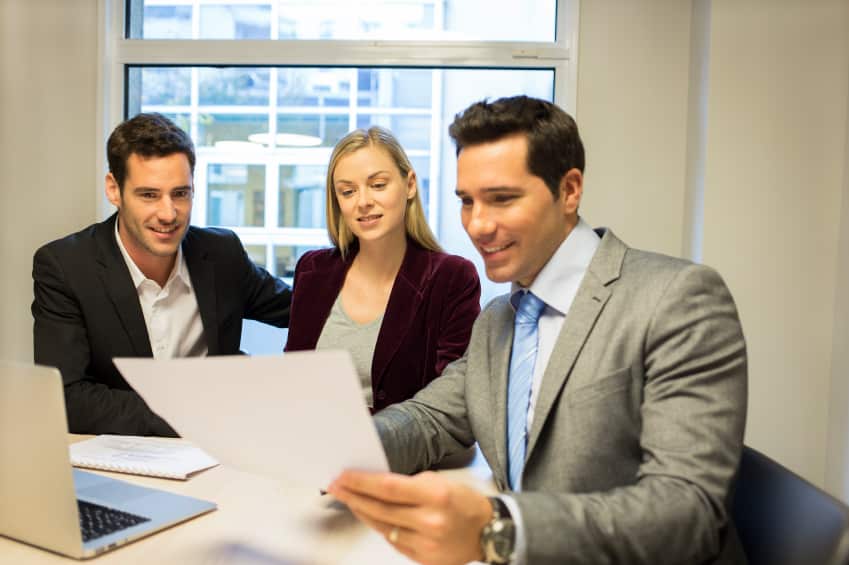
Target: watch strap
x=499, y=509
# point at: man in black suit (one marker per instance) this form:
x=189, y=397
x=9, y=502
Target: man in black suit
x=143, y=283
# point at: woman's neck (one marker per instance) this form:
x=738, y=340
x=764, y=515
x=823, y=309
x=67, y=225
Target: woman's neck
x=381, y=260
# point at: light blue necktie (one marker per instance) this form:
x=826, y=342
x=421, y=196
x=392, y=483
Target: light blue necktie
x=522, y=360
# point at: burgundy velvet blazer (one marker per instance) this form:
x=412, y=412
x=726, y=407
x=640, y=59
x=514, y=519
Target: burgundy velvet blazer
x=427, y=323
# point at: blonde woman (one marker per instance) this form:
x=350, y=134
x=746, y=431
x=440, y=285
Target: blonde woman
x=385, y=291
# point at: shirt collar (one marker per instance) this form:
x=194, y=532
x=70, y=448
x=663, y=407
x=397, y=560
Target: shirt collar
x=565, y=268
x=180, y=271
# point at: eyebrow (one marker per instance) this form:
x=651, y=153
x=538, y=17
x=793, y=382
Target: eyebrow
x=149, y=188
x=371, y=176
x=490, y=190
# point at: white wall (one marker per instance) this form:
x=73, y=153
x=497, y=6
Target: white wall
x=632, y=113
x=776, y=206
x=775, y=166
x=48, y=58
x=837, y=463
x=774, y=172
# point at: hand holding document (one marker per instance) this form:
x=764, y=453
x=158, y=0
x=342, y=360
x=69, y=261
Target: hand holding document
x=297, y=417
x=152, y=456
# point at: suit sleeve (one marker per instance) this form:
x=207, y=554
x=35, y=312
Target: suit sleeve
x=434, y=424
x=693, y=417
x=266, y=298
x=459, y=312
x=60, y=339
x=422, y=431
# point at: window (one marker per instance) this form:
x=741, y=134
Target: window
x=267, y=87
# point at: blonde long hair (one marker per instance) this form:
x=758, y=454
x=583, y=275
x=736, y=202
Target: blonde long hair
x=414, y=219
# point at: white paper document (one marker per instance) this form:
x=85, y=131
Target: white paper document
x=296, y=417
x=153, y=456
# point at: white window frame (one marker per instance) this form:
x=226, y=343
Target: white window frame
x=116, y=53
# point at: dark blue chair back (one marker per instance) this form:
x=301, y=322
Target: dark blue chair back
x=782, y=519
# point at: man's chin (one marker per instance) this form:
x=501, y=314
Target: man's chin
x=498, y=274
x=160, y=249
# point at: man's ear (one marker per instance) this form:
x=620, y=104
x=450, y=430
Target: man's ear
x=571, y=190
x=113, y=191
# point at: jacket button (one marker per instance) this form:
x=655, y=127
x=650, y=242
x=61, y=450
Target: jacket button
x=381, y=395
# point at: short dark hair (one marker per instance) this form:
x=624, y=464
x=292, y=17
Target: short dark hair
x=148, y=135
x=554, y=145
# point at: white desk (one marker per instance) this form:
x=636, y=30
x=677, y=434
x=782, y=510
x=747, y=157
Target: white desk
x=258, y=522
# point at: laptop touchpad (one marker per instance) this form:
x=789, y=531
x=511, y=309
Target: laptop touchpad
x=96, y=488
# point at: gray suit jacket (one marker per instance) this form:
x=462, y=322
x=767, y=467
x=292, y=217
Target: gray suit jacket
x=638, y=428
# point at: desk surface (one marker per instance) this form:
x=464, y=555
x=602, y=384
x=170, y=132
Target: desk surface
x=259, y=521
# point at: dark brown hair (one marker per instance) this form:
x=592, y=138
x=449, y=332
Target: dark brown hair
x=147, y=135
x=554, y=145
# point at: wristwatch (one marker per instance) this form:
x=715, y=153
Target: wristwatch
x=498, y=537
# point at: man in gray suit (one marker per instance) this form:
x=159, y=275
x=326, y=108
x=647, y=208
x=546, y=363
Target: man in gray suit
x=611, y=413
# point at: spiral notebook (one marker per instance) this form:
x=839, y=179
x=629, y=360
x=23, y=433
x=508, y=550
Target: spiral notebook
x=151, y=456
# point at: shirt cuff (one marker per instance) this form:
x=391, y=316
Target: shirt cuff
x=520, y=549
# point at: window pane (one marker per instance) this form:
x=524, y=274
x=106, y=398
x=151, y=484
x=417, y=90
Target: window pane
x=315, y=86
x=452, y=20
x=286, y=257
x=215, y=128
x=311, y=130
x=256, y=253
x=166, y=85
x=234, y=86
x=412, y=131
x=302, y=196
x=166, y=22
x=235, y=22
x=409, y=88
x=236, y=195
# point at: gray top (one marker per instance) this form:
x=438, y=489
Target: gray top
x=341, y=332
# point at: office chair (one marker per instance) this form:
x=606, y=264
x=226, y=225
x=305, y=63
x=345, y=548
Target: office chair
x=782, y=519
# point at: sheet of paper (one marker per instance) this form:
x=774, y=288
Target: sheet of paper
x=157, y=457
x=296, y=417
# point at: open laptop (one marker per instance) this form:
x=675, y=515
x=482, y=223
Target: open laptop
x=44, y=501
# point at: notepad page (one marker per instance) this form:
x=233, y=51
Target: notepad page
x=156, y=457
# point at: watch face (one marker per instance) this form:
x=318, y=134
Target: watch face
x=498, y=539
x=503, y=536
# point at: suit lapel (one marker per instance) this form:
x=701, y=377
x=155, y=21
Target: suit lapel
x=500, y=346
x=318, y=288
x=589, y=302
x=404, y=301
x=119, y=286
x=202, y=274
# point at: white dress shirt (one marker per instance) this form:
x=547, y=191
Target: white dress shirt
x=171, y=312
x=556, y=285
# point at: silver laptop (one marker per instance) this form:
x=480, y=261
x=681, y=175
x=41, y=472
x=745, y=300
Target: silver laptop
x=44, y=501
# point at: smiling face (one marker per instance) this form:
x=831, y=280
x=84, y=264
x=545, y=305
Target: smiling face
x=372, y=194
x=511, y=216
x=154, y=208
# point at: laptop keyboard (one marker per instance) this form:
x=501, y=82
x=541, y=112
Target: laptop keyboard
x=97, y=521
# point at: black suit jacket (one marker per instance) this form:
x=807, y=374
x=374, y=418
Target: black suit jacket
x=428, y=320
x=87, y=311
